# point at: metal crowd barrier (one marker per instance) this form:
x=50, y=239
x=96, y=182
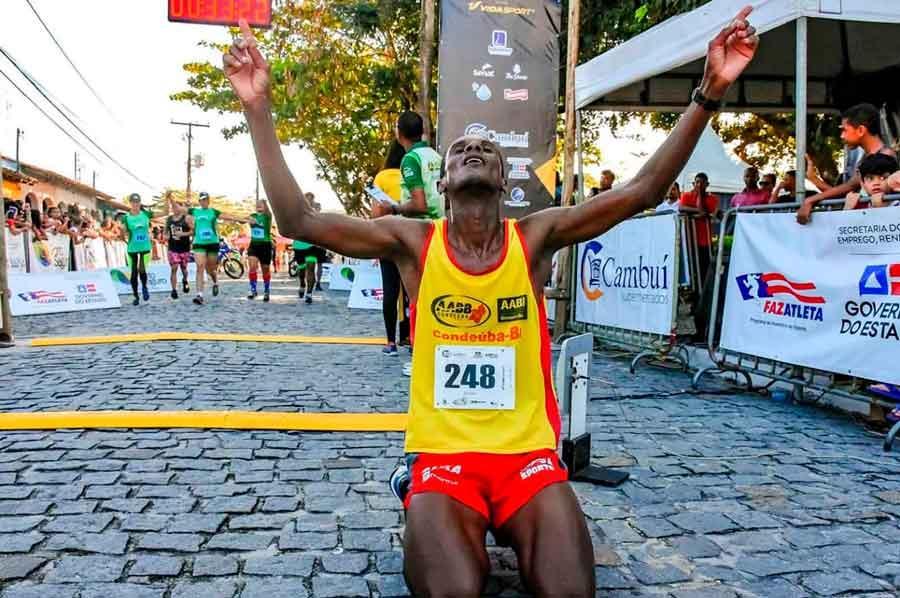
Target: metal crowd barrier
x=744, y=364
x=685, y=297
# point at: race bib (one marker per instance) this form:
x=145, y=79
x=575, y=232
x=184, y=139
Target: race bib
x=474, y=377
x=140, y=237
x=206, y=235
x=258, y=233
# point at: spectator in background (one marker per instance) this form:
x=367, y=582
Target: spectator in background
x=607, y=178
x=768, y=182
x=708, y=206
x=860, y=128
x=874, y=172
x=753, y=194
x=110, y=229
x=786, y=190
x=670, y=203
x=395, y=301
x=88, y=227
x=595, y=191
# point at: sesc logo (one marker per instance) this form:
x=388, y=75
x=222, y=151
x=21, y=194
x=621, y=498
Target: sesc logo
x=880, y=280
x=460, y=311
x=590, y=277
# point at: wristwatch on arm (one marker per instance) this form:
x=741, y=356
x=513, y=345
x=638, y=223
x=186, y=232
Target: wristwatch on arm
x=705, y=102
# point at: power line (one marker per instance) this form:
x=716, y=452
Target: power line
x=71, y=63
x=38, y=87
x=48, y=117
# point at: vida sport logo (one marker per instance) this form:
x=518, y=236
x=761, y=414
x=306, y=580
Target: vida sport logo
x=599, y=271
x=782, y=297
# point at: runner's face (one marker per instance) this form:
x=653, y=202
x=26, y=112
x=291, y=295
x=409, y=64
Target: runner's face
x=204, y=203
x=474, y=162
x=135, y=206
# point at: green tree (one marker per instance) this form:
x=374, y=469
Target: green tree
x=342, y=71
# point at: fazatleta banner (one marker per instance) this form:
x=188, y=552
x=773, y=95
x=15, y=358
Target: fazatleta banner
x=499, y=77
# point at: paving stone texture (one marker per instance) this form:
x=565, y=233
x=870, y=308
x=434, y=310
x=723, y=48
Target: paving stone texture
x=730, y=494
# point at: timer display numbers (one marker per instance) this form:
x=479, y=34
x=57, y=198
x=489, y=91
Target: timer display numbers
x=258, y=13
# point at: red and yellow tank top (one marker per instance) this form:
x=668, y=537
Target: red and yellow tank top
x=481, y=377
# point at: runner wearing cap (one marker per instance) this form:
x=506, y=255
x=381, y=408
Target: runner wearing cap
x=136, y=232
x=260, y=249
x=204, y=221
x=483, y=426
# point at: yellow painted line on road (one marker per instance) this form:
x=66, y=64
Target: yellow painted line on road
x=229, y=420
x=147, y=337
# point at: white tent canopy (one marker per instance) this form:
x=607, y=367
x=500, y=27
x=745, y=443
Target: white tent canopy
x=658, y=69
x=726, y=174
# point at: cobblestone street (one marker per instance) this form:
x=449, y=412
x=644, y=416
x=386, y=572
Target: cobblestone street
x=730, y=494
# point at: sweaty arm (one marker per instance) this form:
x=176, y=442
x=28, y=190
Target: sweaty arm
x=555, y=228
x=727, y=56
x=297, y=219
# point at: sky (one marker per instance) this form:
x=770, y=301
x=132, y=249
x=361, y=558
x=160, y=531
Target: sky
x=132, y=56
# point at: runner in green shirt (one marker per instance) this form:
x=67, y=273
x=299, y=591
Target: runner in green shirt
x=204, y=221
x=260, y=250
x=306, y=257
x=136, y=232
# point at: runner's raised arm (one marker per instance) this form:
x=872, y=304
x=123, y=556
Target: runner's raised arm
x=729, y=54
x=248, y=73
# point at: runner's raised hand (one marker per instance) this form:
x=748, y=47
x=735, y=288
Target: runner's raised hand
x=729, y=54
x=247, y=70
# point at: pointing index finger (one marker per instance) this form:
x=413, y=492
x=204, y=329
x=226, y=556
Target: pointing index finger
x=744, y=13
x=246, y=32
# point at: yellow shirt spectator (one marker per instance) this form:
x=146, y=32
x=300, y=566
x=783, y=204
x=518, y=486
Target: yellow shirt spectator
x=388, y=180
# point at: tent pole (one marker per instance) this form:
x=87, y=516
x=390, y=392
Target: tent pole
x=564, y=273
x=801, y=106
x=800, y=136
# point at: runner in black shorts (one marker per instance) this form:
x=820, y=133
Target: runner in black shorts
x=321, y=253
x=305, y=255
x=260, y=250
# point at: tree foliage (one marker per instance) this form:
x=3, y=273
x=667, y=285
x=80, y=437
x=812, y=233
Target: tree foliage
x=342, y=70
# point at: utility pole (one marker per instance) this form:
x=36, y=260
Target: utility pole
x=76, y=166
x=19, y=134
x=562, y=293
x=257, y=185
x=6, y=332
x=190, y=137
x=94, y=182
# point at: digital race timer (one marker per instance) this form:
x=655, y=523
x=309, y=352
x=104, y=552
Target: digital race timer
x=221, y=12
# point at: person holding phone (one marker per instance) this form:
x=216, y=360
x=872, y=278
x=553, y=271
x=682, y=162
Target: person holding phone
x=388, y=183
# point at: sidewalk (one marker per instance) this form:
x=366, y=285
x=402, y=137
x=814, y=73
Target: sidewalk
x=730, y=494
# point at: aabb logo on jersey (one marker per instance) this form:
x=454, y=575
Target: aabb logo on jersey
x=460, y=311
x=799, y=303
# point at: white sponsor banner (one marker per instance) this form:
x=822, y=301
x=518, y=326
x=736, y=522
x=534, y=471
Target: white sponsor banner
x=157, y=278
x=16, y=252
x=825, y=295
x=60, y=291
x=51, y=255
x=368, y=290
x=326, y=275
x=93, y=255
x=342, y=276
x=626, y=277
x=115, y=254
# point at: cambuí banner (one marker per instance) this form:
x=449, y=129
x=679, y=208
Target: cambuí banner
x=627, y=277
x=825, y=296
x=499, y=78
